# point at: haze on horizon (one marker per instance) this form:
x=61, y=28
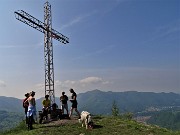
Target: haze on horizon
x=115, y=45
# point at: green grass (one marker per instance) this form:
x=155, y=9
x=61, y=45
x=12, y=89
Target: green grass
x=104, y=126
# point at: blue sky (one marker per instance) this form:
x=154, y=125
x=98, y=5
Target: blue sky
x=115, y=45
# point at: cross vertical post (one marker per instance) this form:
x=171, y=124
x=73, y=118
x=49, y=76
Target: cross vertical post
x=48, y=53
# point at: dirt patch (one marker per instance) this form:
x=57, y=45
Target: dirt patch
x=61, y=122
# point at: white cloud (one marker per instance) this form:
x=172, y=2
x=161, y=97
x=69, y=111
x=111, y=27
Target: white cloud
x=77, y=19
x=12, y=46
x=85, y=81
x=122, y=1
x=164, y=32
x=167, y=30
x=91, y=80
x=74, y=21
x=82, y=85
x=7, y=46
x=2, y=83
x=88, y=83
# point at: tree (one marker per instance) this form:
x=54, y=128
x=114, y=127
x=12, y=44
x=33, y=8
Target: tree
x=115, y=109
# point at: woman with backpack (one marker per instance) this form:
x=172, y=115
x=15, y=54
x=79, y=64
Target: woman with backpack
x=25, y=105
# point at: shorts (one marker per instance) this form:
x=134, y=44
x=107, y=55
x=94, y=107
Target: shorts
x=74, y=104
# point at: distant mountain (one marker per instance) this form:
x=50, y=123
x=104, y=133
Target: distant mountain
x=99, y=102
x=10, y=104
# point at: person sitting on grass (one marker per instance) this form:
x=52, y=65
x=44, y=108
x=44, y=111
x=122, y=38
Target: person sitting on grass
x=46, y=106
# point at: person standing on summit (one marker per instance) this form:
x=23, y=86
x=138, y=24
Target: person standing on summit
x=74, y=103
x=25, y=105
x=64, y=100
x=31, y=113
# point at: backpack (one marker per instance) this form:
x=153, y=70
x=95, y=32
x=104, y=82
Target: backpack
x=25, y=105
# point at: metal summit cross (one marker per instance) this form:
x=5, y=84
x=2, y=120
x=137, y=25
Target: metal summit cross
x=49, y=33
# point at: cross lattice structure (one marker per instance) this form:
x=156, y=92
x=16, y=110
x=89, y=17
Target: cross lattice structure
x=49, y=33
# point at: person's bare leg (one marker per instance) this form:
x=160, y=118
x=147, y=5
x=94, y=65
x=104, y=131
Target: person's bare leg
x=67, y=109
x=62, y=109
x=70, y=113
x=78, y=113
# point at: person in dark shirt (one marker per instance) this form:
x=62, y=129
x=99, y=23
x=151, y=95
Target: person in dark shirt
x=25, y=105
x=74, y=103
x=64, y=100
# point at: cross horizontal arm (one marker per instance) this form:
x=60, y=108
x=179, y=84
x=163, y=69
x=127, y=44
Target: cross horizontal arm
x=29, y=20
x=40, y=26
x=60, y=37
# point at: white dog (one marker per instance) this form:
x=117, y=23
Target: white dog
x=86, y=119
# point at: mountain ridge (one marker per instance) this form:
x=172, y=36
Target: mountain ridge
x=100, y=102
x=131, y=101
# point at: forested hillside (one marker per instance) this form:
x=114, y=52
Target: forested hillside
x=99, y=102
x=166, y=119
x=9, y=119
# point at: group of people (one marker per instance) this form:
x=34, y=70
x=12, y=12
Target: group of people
x=29, y=105
x=73, y=100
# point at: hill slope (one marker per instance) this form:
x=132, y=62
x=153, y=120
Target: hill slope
x=10, y=104
x=167, y=119
x=103, y=125
x=9, y=119
x=99, y=102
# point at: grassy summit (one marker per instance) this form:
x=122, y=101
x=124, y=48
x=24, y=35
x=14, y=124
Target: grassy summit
x=104, y=125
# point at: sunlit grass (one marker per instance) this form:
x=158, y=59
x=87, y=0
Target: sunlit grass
x=104, y=125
